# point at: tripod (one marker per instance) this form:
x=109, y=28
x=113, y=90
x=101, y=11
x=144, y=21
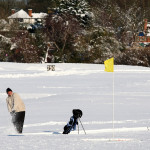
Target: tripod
x=81, y=125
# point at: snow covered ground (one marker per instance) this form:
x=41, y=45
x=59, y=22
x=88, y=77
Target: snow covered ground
x=50, y=96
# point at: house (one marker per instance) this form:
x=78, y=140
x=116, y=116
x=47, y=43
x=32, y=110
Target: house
x=26, y=18
x=143, y=37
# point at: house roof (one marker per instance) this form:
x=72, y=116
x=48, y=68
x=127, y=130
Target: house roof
x=148, y=25
x=23, y=14
x=20, y=14
x=39, y=15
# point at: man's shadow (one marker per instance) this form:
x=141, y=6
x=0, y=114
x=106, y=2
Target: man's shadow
x=15, y=135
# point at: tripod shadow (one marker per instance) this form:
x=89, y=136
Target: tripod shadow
x=53, y=132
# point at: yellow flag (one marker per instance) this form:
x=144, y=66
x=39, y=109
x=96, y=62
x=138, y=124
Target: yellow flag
x=109, y=65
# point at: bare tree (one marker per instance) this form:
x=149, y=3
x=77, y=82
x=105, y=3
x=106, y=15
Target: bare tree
x=62, y=30
x=26, y=48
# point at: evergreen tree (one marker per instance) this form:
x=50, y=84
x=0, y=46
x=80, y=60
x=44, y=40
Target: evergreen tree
x=78, y=8
x=98, y=45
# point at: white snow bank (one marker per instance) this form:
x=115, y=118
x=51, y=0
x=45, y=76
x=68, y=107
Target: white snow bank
x=50, y=96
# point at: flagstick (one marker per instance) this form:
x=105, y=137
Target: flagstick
x=113, y=109
x=109, y=67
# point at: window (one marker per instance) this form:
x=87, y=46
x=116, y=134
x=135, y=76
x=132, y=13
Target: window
x=20, y=20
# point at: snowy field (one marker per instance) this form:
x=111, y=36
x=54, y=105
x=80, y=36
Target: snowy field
x=50, y=96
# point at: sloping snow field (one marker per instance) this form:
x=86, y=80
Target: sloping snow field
x=50, y=96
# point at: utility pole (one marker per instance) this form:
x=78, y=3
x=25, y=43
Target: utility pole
x=143, y=3
x=26, y=2
x=125, y=4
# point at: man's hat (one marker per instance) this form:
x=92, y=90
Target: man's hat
x=8, y=89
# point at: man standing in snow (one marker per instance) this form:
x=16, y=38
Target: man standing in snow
x=16, y=108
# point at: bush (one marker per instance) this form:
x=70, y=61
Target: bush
x=138, y=57
x=28, y=48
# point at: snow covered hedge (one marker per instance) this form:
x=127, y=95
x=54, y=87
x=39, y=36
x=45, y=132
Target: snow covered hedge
x=80, y=9
x=137, y=57
x=98, y=45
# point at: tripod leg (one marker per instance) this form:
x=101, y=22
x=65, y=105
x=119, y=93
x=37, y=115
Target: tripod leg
x=82, y=125
x=78, y=128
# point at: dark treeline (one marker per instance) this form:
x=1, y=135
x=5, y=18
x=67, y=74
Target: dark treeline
x=124, y=4
x=36, y=5
x=7, y=5
x=42, y=5
x=83, y=31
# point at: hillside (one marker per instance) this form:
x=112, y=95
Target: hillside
x=50, y=97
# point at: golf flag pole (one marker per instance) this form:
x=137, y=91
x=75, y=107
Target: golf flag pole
x=109, y=67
